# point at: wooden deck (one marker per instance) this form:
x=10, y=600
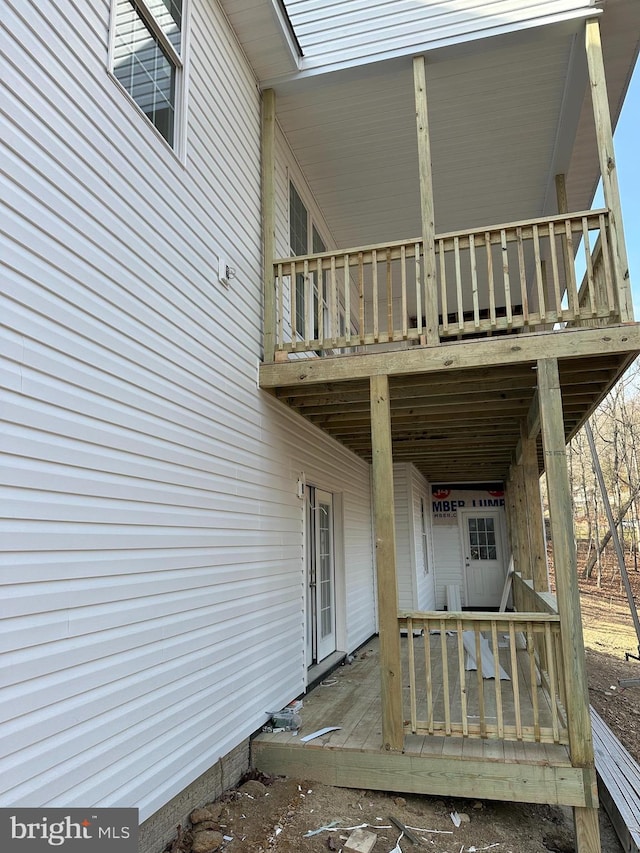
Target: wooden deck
x=445, y=766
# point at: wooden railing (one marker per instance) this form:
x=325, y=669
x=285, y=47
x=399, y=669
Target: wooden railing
x=512, y=694
x=488, y=281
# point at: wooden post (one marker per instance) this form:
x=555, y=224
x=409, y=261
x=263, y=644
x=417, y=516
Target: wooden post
x=385, y=536
x=564, y=558
x=268, y=223
x=537, y=543
x=520, y=516
x=512, y=526
x=426, y=203
x=606, y=154
x=512, y=537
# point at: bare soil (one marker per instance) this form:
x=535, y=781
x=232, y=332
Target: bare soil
x=277, y=817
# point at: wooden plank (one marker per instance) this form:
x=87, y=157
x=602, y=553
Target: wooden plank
x=608, y=170
x=347, y=300
x=490, y=280
x=462, y=679
x=538, y=274
x=374, y=297
x=308, y=301
x=418, y=276
x=428, y=678
x=361, y=296
x=445, y=676
x=403, y=285
x=268, y=158
x=443, y=287
x=505, y=277
x=606, y=263
x=555, y=273
x=565, y=561
x=383, y=500
x=474, y=281
x=589, y=265
x=571, y=343
x=458, y=271
x=280, y=292
x=426, y=201
x=579, y=726
x=436, y=775
x=412, y=674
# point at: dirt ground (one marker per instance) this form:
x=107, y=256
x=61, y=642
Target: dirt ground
x=275, y=815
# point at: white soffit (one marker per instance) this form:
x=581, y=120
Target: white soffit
x=494, y=110
x=265, y=33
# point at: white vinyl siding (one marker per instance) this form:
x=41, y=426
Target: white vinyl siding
x=152, y=571
x=405, y=565
x=351, y=32
x=447, y=547
x=421, y=501
x=415, y=585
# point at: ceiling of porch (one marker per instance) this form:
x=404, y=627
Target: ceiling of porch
x=503, y=112
x=460, y=425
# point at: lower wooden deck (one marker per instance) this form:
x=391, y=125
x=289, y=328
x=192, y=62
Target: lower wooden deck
x=439, y=765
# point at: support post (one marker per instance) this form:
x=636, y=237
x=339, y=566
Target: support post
x=521, y=521
x=268, y=223
x=564, y=557
x=537, y=542
x=385, y=537
x=426, y=203
x=606, y=155
x=512, y=526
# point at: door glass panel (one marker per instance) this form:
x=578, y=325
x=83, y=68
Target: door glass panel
x=325, y=571
x=482, y=539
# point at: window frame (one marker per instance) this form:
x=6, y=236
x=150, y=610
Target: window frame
x=179, y=61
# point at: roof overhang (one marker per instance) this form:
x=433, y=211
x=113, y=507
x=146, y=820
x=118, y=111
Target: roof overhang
x=506, y=115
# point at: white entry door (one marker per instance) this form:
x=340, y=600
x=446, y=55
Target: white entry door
x=321, y=608
x=483, y=553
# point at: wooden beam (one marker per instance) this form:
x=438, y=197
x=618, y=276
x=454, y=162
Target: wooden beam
x=426, y=201
x=384, y=516
x=458, y=355
x=438, y=776
x=606, y=155
x=568, y=597
x=268, y=223
x=537, y=543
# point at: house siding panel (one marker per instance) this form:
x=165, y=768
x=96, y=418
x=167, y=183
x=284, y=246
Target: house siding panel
x=355, y=32
x=152, y=568
x=405, y=553
x=425, y=586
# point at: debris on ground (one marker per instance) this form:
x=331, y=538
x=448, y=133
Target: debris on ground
x=280, y=815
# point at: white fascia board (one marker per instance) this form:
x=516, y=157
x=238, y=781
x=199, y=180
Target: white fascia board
x=286, y=31
x=307, y=69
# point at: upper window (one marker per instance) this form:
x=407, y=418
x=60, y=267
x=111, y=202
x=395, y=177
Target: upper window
x=148, y=58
